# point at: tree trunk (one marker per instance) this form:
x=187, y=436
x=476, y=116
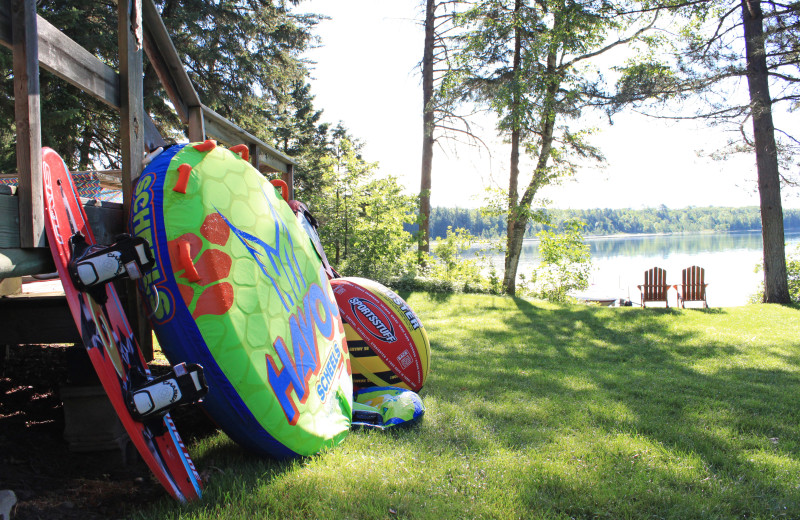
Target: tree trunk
x=539, y=179
x=515, y=230
x=513, y=224
x=85, y=148
x=337, y=253
x=427, y=132
x=776, y=288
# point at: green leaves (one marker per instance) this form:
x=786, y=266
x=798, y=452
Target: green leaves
x=565, y=262
x=361, y=217
x=644, y=80
x=244, y=59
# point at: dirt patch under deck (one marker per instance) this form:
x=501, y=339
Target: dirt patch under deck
x=35, y=462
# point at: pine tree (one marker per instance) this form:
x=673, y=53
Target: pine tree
x=242, y=57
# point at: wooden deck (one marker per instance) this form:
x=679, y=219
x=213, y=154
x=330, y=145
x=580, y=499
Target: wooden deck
x=36, y=43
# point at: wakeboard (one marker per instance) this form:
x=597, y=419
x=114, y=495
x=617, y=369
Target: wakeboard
x=109, y=340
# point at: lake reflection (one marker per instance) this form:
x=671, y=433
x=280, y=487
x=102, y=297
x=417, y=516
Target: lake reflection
x=619, y=263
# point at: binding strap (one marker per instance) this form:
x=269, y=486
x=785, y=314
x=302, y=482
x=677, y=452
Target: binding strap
x=93, y=266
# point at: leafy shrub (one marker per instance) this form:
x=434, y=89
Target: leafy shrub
x=565, y=263
x=448, y=271
x=448, y=262
x=792, y=275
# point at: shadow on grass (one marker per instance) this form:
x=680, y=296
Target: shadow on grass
x=712, y=310
x=632, y=371
x=511, y=375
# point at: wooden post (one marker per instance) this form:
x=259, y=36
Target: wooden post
x=132, y=126
x=197, y=131
x=288, y=177
x=29, y=135
x=253, y=150
x=131, y=96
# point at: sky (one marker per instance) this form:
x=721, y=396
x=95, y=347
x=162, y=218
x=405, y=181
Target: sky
x=365, y=74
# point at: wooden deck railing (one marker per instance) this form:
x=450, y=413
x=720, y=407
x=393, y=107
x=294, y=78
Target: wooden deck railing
x=37, y=43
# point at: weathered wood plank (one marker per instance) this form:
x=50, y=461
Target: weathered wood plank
x=288, y=178
x=254, y=151
x=25, y=262
x=197, y=127
x=167, y=63
x=217, y=129
x=105, y=219
x=223, y=130
x=62, y=56
x=9, y=220
x=28, y=119
x=130, y=39
x=22, y=320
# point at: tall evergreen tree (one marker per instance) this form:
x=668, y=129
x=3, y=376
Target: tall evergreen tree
x=776, y=286
x=439, y=118
x=243, y=58
x=427, y=127
x=299, y=132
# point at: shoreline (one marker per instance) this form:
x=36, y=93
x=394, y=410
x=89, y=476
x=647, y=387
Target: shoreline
x=488, y=241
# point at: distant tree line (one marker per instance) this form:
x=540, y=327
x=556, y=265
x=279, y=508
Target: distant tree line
x=612, y=221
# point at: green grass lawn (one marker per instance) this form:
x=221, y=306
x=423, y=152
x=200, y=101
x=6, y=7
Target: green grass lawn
x=547, y=411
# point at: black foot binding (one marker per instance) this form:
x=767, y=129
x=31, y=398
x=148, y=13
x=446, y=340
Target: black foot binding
x=184, y=384
x=93, y=266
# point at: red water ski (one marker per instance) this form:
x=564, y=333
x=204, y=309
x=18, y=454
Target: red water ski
x=109, y=340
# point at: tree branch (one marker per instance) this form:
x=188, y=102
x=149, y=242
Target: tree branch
x=611, y=45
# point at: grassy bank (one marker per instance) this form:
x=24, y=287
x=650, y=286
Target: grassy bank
x=543, y=411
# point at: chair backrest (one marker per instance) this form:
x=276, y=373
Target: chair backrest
x=693, y=286
x=655, y=285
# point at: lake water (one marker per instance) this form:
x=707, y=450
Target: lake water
x=619, y=263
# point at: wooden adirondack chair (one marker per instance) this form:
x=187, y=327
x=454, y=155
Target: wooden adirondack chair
x=693, y=286
x=655, y=286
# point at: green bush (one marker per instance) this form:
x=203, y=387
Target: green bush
x=448, y=271
x=565, y=263
x=792, y=275
x=448, y=262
